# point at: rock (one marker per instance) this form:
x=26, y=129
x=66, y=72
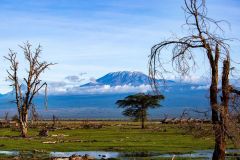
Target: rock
x=2, y=145
x=54, y=135
x=16, y=158
x=38, y=151
x=87, y=157
x=75, y=157
x=90, y=158
x=60, y=135
x=59, y=158
x=43, y=132
x=49, y=142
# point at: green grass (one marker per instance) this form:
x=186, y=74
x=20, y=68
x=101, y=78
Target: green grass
x=108, y=138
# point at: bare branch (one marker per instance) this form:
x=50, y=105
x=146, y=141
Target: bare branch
x=33, y=82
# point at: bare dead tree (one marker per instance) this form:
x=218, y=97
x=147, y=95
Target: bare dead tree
x=54, y=120
x=24, y=99
x=6, y=117
x=34, y=114
x=205, y=37
x=188, y=112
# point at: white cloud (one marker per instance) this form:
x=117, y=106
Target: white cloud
x=110, y=89
x=66, y=89
x=74, y=78
x=92, y=80
x=193, y=79
x=202, y=87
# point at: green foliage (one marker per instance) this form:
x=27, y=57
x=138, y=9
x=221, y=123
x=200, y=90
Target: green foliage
x=136, y=105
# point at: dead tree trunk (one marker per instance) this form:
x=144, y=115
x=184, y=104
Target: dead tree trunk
x=143, y=125
x=221, y=126
x=219, y=152
x=142, y=118
x=24, y=125
x=33, y=82
x=214, y=83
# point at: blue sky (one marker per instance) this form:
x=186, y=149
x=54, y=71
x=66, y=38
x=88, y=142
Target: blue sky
x=99, y=36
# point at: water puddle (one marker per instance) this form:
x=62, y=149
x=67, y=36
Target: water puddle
x=9, y=153
x=204, y=154
x=96, y=154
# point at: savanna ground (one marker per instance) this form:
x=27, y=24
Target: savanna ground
x=121, y=136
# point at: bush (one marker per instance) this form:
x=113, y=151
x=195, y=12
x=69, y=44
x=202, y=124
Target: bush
x=15, y=118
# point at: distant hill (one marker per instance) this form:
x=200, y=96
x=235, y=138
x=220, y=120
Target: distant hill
x=122, y=78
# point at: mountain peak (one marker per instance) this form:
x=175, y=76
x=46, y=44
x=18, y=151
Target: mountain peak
x=126, y=73
x=121, y=78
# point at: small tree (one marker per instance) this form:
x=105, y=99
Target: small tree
x=136, y=106
x=24, y=99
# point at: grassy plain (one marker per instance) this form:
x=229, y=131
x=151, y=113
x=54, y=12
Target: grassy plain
x=105, y=136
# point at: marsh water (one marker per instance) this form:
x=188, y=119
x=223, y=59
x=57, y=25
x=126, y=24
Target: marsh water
x=203, y=154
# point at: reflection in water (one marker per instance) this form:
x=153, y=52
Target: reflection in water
x=9, y=153
x=96, y=154
x=205, y=154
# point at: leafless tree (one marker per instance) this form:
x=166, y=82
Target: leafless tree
x=205, y=37
x=34, y=114
x=54, y=120
x=188, y=112
x=24, y=99
x=6, y=117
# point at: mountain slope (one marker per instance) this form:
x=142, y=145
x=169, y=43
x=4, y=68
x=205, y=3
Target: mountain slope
x=122, y=78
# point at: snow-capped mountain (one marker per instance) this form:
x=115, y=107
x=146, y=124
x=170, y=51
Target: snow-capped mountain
x=97, y=99
x=122, y=78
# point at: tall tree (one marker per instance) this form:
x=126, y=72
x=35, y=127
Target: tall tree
x=206, y=36
x=24, y=99
x=136, y=106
